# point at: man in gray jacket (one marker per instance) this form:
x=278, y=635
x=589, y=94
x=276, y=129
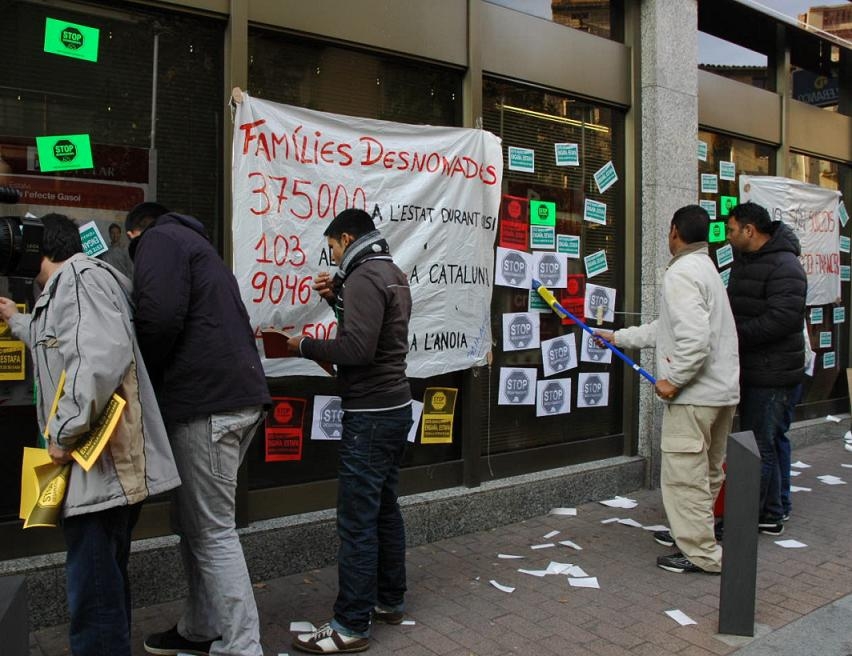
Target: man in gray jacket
x=370, y=350
x=697, y=373
x=82, y=325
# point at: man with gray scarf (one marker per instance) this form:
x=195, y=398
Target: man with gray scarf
x=370, y=350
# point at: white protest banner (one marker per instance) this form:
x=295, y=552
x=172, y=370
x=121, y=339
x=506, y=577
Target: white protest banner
x=811, y=212
x=433, y=192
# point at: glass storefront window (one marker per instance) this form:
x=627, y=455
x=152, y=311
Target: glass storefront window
x=599, y=17
x=331, y=78
x=532, y=118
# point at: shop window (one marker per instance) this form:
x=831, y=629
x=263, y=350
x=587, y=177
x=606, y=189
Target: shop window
x=534, y=119
x=602, y=18
x=106, y=96
x=354, y=82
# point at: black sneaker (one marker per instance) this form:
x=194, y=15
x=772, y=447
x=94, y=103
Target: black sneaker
x=679, y=563
x=771, y=526
x=172, y=643
x=387, y=616
x=719, y=530
x=664, y=538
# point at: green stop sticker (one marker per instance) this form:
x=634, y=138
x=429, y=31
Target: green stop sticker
x=71, y=40
x=64, y=152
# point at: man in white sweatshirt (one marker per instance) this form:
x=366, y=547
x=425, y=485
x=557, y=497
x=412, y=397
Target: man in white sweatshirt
x=697, y=367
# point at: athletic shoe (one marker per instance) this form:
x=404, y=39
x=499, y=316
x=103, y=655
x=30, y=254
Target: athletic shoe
x=771, y=526
x=172, y=643
x=786, y=516
x=325, y=640
x=664, y=538
x=388, y=616
x=679, y=564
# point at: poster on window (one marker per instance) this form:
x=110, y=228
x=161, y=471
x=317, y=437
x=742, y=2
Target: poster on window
x=814, y=215
x=433, y=192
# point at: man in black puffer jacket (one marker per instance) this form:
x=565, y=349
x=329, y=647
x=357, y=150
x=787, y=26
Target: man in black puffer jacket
x=767, y=290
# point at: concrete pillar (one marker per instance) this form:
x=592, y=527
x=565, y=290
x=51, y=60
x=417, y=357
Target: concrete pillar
x=669, y=100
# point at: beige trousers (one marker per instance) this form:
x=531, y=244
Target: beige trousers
x=694, y=439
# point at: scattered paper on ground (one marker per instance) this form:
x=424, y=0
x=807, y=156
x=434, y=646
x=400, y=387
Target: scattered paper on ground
x=656, y=527
x=830, y=479
x=680, y=617
x=573, y=545
x=797, y=488
x=504, y=588
x=790, y=544
x=620, y=502
x=552, y=534
x=609, y=521
x=543, y=546
x=408, y=622
x=848, y=446
x=558, y=568
x=630, y=522
x=590, y=582
x=800, y=465
x=845, y=465
x=508, y=556
x=302, y=627
x=793, y=472
x=568, y=512
x=534, y=572
x=836, y=420
x=848, y=436
x=577, y=572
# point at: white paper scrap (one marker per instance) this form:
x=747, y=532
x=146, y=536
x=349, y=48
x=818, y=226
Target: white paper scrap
x=504, y=588
x=848, y=446
x=573, y=545
x=680, y=617
x=790, y=544
x=302, y=627
x=800, y=465
x=408, y=622
x=508, y=556
x=656, y=527
x=836, y=420
x=534, y=572
x=567, y=512
x=577, y=572
x=552, y=534
x=558, y=568
x=848, y=436
x=797, y=488
x=610, y=520
x=630, y=522
x=793, y=472
x=590, y=582
x=542, y=546
x=845, y=465
x=830, y=479
x=620, y=502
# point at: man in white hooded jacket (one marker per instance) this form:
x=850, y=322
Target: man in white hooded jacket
x=697, y=366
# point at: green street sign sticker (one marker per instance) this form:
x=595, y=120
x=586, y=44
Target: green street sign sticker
x=64, y=152
x=71, y=40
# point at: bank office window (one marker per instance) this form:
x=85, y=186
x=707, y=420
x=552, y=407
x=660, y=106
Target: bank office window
x=535, y=119
x=293, y=70
x=604, y=18
x=828, y=382
x=107, y=98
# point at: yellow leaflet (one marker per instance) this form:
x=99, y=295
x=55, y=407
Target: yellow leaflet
x=87, y=451
x=52, y=483
x=29, y=480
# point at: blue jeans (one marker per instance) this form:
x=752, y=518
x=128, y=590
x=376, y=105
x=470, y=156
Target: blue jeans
x=764, y=410
x=785, y=450
x=371, y=559
x=98, y=588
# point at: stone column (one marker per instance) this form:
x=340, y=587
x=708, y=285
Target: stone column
x=669, y=125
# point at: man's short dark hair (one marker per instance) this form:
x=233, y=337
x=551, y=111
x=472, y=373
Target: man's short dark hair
x=692, y=223
x=143, y=215
x=61, y=238
x=354, y=222
x=754, y=214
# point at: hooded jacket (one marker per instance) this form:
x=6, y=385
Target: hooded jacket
x=695, y=337
x=193, y=328
x=767, y=289
x=82, y=323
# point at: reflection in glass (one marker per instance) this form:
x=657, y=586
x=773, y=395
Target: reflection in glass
x=598, y=17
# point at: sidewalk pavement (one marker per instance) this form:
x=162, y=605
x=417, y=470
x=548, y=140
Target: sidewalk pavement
x=457, y=612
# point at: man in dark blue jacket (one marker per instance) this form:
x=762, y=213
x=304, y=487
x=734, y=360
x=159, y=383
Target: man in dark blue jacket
x=767, y=290
x=195, y=337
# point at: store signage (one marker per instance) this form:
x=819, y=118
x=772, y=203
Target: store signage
x=521, y=159
x=64, y=153
x=594, y=212
x=93, y=241
x=71, y=40
x=12, y=360
x=568, y=244
x=567, y=154
x=605, y=177
x=709, y=206
x=817, y=90
x=554, y=397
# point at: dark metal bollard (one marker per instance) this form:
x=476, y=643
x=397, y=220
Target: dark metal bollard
x=739, y=562
x=14, y=616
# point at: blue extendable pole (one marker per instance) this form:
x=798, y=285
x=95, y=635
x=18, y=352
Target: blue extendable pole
x=556, y=306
